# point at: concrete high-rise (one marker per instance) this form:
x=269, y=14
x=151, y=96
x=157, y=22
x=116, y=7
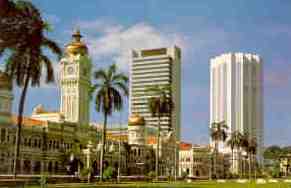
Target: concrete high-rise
x=236, y=95
x=160, y=67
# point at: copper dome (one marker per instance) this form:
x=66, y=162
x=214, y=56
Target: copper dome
x=136, y=119
x=76, y=46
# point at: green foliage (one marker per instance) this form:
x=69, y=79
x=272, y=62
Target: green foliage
x=84, y=172
x=109, y=87
x=218, y=131
x=184, y=174
x=108, y=173
x=151, y=174
x=274, y=152
x=161, y=104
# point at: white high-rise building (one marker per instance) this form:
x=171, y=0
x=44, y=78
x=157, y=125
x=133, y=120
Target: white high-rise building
x=75, y=81
x=160, y=67
x=236, y=95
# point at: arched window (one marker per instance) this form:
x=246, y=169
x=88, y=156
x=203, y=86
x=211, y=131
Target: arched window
x=56, y=166
x=50, y=144
x=29, y=142
x=50, y=166
x=35, y=143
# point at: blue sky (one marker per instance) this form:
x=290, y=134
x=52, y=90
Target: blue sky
x=202, y=28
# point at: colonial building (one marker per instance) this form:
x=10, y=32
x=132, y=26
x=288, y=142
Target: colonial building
x=285, y=165
x=194, y=160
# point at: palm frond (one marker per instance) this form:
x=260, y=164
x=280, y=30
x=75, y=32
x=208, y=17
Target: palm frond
x=122, y=87
x=117, y=99
x=27, y=8
x=53, y=46
x=16, y=66
x=100, y=75
x=120, y=78
x=111, y=71
x=110, y=91
x=49, y=69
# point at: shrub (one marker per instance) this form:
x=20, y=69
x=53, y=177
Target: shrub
x=151, y=174
x=109, y=173
x=84, y=172
x=184, y=174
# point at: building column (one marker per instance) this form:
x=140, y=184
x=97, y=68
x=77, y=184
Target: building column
x=10, y=166
x=43, y=167
x=21, y=166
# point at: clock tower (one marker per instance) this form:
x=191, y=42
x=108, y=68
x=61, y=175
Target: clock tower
x=75, y=81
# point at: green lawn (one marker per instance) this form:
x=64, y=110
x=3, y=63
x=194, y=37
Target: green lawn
x=174, y=185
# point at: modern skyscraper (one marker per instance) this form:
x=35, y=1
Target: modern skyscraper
x=236, y=95
x=75, y=81
x=160, y=67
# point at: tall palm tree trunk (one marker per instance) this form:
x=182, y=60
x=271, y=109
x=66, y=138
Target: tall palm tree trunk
x=255, y=166
x=215, y=159
x=232, y=160
x=250, y=170
x=19, y=123
x=158, y=149
x=103, y=146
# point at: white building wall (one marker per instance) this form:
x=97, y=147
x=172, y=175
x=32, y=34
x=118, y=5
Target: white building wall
x=236, y=94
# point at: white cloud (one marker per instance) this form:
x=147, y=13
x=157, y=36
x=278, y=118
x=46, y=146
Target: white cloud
x=115, y=41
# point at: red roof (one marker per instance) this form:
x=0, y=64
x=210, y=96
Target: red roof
x=28, y=121
x=185, y=146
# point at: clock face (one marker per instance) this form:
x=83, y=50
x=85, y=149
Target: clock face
x=70, y=70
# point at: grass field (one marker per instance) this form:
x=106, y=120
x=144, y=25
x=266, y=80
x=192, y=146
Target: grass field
x=174, y=185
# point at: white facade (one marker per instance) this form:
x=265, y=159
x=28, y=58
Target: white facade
x=75, y=82
x=155, y=67
x=136, y=135
x=236, y=95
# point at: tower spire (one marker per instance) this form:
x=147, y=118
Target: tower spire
x=77, y=35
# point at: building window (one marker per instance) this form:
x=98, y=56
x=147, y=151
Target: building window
x=3, y=135
x=35, y=143
x=29, y=142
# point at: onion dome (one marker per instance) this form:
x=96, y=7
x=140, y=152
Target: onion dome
x=38, y=109
x=135, y=120
x=76, y=46
x=5, y=81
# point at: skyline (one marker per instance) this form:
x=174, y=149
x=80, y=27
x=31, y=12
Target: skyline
x=265, y=32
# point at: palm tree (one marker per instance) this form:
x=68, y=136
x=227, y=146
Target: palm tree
x=252, y=153
x=218, y=133
x=160, y=105
x=20, y=24
x=26, y=41
x=245, y=146
x=234, y=143
x=110, y=88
